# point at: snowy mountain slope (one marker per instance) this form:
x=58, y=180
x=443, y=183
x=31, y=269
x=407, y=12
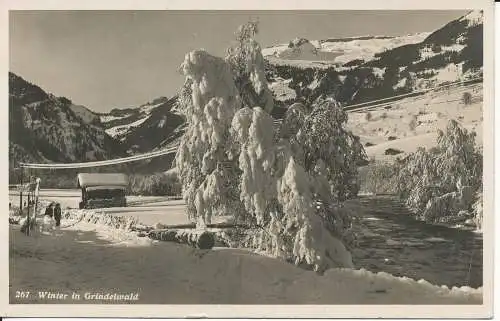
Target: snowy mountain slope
x=302, y=71
x=301, y=49
x=414, y=122
x=161, y=125
x=121, y=131
x=456, y=48
x=46, y=128
x=365, y=48
x=144, y=128
x=451, y=53
x=118, y=121
x=339, y=51
x=152, y=127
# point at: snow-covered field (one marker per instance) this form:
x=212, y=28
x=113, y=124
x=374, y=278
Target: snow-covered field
x=150, y=209
x=413, y=122
x=301, y=63
x=88, y=258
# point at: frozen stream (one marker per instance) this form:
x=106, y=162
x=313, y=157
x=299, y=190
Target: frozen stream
x=393, y=242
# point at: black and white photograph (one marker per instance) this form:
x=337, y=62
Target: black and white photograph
x=247, y=157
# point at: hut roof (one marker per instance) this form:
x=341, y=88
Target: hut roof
x=107, y=187
x=102, y=179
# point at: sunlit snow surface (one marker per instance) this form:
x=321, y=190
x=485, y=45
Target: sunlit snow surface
x=341, y=51
x=85, y=256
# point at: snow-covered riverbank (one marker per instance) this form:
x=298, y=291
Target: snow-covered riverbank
x=92, y=258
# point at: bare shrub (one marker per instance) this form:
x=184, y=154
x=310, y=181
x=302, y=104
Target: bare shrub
x=383, y=116
x=368, y=116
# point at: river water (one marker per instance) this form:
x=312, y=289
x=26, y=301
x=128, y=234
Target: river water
x=392, y=241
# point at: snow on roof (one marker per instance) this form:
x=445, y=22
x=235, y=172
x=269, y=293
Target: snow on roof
x=102, y=179
x=100, y=188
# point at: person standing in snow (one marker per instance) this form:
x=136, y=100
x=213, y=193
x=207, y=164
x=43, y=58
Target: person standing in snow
x=48, y=219
x=57, y=215
x=49, y=211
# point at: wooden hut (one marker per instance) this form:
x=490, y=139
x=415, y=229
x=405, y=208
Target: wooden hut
x=101, y=190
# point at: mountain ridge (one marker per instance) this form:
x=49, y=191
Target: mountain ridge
x=448, y=54
x=451, y=53
x=47, y=128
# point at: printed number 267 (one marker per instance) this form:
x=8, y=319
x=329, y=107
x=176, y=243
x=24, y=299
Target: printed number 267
x=22, y=294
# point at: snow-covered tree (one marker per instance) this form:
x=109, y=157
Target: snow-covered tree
x=293, y=120
x=478, y=210
x=415, y=178
x=300, y=229
x=254, y=131
x=230, y=163
x=441, y=182
x=324, y=141
x=248, y=63
x=208, y=100
x=280, y=196
x=459, y=157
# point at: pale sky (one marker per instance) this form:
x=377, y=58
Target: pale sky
x=119, y=59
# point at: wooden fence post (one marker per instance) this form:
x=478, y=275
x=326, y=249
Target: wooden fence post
x=28, y=227
x=21, y=190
